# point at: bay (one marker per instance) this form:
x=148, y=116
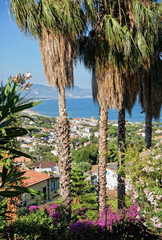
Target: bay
x=86, y=108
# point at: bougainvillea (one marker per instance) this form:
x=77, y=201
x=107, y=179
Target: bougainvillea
x=143, y=171
x=51, y=221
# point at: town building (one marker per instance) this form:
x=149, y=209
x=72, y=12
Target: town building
x=43, y=182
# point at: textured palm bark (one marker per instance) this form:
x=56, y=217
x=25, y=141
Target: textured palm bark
x=148, y=130
x=63, y=131
x=102, y=155
x=121, y=147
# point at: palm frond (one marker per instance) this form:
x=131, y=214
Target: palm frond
x=113, y=32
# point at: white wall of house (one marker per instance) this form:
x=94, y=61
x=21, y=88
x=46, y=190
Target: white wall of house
x=111, y=179
x=54, y=152
x=47, y=169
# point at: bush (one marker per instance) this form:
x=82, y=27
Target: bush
x=84, y=166
x=144, y=177
x=86, y=230
x=46, y=222
x=50, y=221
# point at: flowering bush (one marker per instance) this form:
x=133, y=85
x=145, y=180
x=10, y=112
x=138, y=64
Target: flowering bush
x=33, y=208
x=143, y=172
x=86, y=230
x=127, y=221
x=57, y=213
x=50, y=221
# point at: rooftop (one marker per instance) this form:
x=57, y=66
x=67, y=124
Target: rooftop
x=44, y=164
x=112, y=166
x=22, y=160
x=34, y=177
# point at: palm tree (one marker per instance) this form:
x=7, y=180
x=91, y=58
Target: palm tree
x=55, y=24
x=108, y=88
x=150, y=91
x=130, y=95
x=143, y=22
x=113, y=51
x=150, y=96
x=105, y=92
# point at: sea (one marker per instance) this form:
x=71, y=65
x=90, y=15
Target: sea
x=87, y=108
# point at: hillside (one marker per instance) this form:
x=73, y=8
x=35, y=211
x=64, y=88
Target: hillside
x=38, y=91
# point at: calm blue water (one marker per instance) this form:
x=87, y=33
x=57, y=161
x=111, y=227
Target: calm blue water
x=86, y=108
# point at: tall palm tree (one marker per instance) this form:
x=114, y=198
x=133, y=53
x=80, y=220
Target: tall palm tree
x=150, y=96
x=131, y=87
x=56, y=25
x=106, y=94
x=116, y=46
x=150, y=91
x=107, y=91
x=142, y=22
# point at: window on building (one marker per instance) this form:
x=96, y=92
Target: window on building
x=52, y=186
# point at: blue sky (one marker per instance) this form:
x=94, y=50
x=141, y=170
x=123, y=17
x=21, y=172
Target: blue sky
x=21, y=54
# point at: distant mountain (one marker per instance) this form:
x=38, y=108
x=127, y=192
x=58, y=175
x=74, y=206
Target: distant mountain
x=38, y=91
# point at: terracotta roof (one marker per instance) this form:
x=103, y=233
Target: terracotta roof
x=158, y=137
x=22, y=160
x=44, y=164
x=34, y=177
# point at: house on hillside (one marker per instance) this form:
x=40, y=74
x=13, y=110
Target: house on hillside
x=94, y=174
x=45, y=166
x=43, y=182
x=22, y=161
x=111, y=176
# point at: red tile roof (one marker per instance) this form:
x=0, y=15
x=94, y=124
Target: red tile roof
x=34, y=177
x=158, y=137
x=45, y=164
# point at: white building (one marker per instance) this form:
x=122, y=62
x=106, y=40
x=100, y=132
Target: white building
x=111, y=176
x=46, y=166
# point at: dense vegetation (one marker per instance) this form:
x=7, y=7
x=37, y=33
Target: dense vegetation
x=120, y=42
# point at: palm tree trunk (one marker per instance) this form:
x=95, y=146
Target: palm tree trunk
x=121, y=147
x=63, y=131
x=148, y=130
x=102, y=155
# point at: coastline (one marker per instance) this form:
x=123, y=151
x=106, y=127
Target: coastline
x=31, y=112
x=85, y=108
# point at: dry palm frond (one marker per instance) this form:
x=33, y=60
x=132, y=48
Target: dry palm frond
x=108, y=86
x=150, y=95
x=58, y=53
x=131, y=82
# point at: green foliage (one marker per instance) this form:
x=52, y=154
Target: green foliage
x=11, y=103
x=83, y=140
x=46, y=122
x=93, y=139
x=113, y=132
x=86, y=154
x=74, y=142
x=112, y=153
x=43, y=153
x=34, y=226
x=49, y=221
x=82, y=155
x=84, y=166
x=143, y=173
x=85, y=191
